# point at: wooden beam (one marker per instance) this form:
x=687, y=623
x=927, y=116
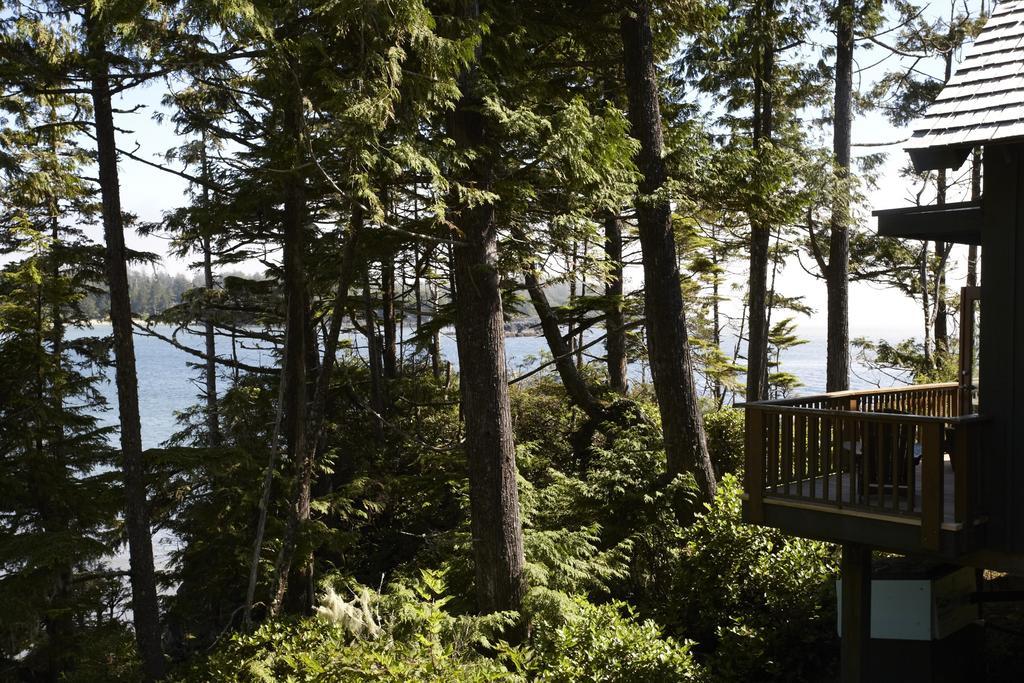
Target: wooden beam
x=855, y=567
x=960, y=223
x=754, y=465
x=934, y=158
x=931, y=485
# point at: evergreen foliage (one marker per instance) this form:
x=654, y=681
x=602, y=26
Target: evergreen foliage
x=365, y=178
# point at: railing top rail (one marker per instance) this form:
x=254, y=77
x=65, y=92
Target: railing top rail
x=853, y=393
x=770, y=406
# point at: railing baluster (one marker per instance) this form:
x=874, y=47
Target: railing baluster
x=786, y=459
x=839, y=435
x=827, y=427
x=866, y=454
x=912, y=438
x=801, y=453
x=961, y=462
x=814, y=445
x=895, y=470
x=855, y=439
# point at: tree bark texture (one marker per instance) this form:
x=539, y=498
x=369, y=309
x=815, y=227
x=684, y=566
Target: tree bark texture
x=145, y=608
x=758, y=303
x=388, y=318
x=568, y=372
x=212, y=418
x=667, y=342
x=837, y=374
x=480, y=335
x=615, y=321
x=296, y=392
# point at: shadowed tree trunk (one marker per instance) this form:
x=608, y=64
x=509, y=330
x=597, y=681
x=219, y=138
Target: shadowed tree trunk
x=374, y=356
x=480, y=335
x=59, y=622
x=615, y=322
x=145, y=609
x=837, y=375
x=316, y=410
x=388, y=318
x=760, y=230
x=568, y=372
x=212, y=419
x=296, y=356
x=667, y=342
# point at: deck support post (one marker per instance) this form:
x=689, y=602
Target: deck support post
x=855, y=567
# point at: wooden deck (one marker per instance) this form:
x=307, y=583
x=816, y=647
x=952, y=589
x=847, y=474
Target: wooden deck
x=814, y=488
x=866, y=466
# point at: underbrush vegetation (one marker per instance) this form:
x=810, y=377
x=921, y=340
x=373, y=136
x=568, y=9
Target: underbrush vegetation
x=630, y=579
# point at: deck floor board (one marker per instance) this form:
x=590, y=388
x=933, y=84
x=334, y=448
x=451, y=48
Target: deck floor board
x=801, y=490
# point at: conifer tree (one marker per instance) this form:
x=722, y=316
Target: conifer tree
x=59, y=498
x=667, y=338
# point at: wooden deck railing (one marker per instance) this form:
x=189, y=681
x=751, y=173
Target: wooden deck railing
x=877, y=453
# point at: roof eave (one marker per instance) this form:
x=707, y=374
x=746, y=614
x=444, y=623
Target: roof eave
x=936, y=158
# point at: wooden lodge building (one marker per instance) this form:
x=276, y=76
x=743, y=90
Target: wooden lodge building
x=934, y=473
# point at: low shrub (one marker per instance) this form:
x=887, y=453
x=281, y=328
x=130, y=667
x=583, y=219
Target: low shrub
x=759, y=603
x=403, y=635
x=578, y=641
x=724, y=428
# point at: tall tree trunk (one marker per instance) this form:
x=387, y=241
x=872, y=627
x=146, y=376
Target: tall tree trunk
x=297, y=349
x=570, y=259
x=435, y=334
x=59, y=623
x=667, y=341
x=314, y=426
x=212, y=418
x=615, y=321
x=374, y=357
x=480, y=337
x=265, y=492
x=837, y=376
x=574, y=385
x=388, y=318
x=583, y=293
x=716, y=319
x=145, y=609
x=760, y=229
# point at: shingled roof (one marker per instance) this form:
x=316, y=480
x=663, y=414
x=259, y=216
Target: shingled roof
x=983, y=102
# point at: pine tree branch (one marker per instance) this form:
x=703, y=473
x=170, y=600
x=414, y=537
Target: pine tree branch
x=238, y=365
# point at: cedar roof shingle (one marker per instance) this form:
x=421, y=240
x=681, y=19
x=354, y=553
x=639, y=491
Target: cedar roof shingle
x=984, y=100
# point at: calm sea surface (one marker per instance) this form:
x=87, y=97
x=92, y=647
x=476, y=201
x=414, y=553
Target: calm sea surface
x=167, y=383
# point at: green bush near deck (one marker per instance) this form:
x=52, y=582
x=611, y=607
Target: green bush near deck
x=760, y=604
x=724, y=428
x=589, y=643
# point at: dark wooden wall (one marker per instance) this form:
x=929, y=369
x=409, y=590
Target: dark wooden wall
x=1002, y=346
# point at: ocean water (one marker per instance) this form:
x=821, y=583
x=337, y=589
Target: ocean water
x=167, y=383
